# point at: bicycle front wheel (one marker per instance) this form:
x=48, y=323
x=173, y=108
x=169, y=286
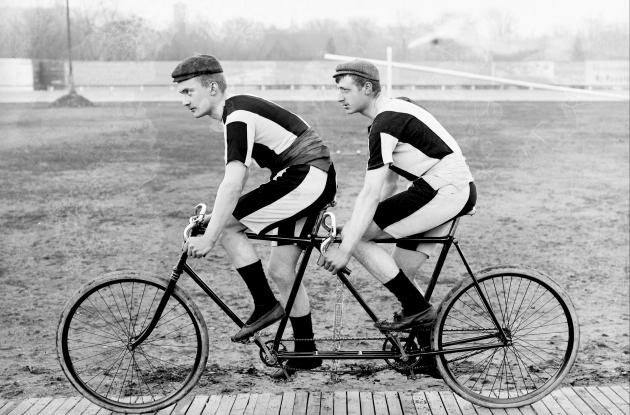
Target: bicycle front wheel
x=95, y=352
x=542, y=333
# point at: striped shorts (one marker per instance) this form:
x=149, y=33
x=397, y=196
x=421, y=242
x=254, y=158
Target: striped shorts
x=283, y=205
x=423, y=211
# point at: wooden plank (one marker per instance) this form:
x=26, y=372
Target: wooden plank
x=251, y=404
x=339, y=403
x=212, y=405
x=3, y=402
x=225, y=406
x=621, y=392
x=182, y=405
x=380, y=403
x=435, y=403
x=616, y=399
x=81, y=407
x=421, y=403
x=552, y=405
x=466, y=407
x=301, y=401
x=288, y=400
x=406, y=403
x=393, y=403
x=240, y=403
x=327, y=403
x=528, y=410
x=275, y=402
x=449, y=402
x=314, y=403
x=52, y=406
x=541, y=408
x=602, y=399
x=8, y=406
x=165, y=411
x=482, y=410
x=577, y=401
x=197, y=405
x=22, y=406
x=592, y=402
x=565, y=403
x=353, y=400
x=367, y=403
x=91, y=408
x=38, y=405
x=262, y=403
x=67, y=405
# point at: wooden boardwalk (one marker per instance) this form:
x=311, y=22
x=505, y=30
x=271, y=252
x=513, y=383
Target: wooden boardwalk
x=597, y=400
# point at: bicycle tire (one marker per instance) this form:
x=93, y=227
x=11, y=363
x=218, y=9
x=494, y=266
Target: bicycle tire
x=93, y=336
x=538, y=317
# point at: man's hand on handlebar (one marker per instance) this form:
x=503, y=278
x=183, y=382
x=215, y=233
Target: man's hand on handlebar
x=199, y=246
x=335, y=259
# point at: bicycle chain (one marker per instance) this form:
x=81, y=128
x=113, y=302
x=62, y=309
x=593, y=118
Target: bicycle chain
x=372, y=369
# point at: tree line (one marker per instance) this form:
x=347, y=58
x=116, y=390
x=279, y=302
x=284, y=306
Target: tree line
x=108, y=35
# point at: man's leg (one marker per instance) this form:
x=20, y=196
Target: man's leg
x=378, y=262
x=282, y=263
x=267, y=309
x=410, y=262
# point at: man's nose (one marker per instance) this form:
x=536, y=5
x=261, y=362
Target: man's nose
x=185, y=101
x=339, y=97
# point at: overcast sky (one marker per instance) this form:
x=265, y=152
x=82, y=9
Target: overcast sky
x=529, y=16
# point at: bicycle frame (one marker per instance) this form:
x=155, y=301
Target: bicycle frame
x=314, y=241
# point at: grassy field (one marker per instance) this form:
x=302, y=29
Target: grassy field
x=86, y=191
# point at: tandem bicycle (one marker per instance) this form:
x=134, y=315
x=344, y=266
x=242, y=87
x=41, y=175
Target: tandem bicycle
x=504, y=337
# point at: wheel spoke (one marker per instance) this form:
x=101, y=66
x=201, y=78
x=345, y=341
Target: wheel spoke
x=98, y=357
x=537, y=322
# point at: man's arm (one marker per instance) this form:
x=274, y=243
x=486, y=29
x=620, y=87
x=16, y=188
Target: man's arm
x=362, y=215
x=390, y=185
x=226, y=199
x=364, y=207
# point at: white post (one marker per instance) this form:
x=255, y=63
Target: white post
x=389, y=71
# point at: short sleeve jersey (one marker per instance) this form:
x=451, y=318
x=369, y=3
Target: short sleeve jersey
x=258, y=130
x=414, y=144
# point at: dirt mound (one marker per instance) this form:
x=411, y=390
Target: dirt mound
x=71, y=99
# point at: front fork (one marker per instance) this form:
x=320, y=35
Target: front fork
x=135, y=341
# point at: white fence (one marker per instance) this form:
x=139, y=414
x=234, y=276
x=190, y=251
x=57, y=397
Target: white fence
x=18, y=74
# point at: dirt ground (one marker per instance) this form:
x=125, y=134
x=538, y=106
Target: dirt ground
x=87, y=191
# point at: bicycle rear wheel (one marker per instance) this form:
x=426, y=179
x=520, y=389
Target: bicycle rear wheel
x=94, y=336
x=542, y=330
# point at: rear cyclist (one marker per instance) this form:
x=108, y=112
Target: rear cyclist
x=405, y=141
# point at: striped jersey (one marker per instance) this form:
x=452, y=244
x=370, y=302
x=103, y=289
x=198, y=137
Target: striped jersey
x=414, y=144
x=273, y=137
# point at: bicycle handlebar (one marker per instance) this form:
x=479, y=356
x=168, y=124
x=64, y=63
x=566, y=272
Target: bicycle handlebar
x=200, y=217
x=196, y=220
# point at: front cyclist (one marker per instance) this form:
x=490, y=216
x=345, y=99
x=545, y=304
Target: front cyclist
x=302, y=182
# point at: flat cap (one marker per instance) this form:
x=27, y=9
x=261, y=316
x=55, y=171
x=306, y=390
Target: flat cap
x=358, y=67
x=195, y=66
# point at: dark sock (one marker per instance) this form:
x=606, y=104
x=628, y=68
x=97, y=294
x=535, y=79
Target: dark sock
x=407, y=293
x=303, y=329
x=256, y=281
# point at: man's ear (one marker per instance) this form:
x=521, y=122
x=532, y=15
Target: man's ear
x=367, y=88
x=214, y=88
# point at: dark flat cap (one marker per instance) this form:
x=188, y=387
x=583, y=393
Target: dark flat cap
x=195, y=66
x=358, y=67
